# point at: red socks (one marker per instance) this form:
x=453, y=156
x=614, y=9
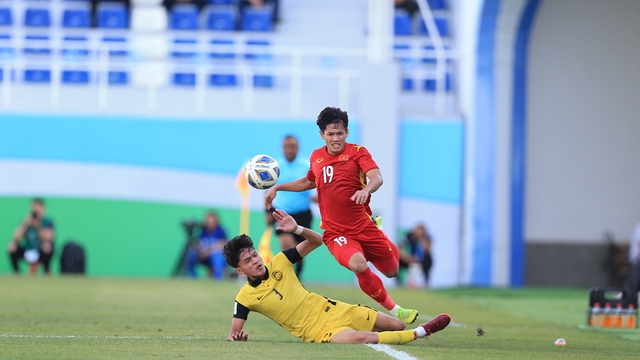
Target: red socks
x=372, y=286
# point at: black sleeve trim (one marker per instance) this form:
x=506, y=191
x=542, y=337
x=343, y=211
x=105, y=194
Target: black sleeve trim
x=240, y=311
x=293, y=255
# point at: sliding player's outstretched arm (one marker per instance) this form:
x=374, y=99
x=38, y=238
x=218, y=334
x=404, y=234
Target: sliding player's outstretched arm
x=289, y=224
x=236, y=333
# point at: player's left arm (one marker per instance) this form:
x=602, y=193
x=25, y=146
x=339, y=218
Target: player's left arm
x=375, y=181
x=289, y=224
x=236, y=333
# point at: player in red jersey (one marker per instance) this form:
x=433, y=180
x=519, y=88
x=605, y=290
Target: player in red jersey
x=345, y=175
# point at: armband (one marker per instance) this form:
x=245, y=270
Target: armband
x=298, y=230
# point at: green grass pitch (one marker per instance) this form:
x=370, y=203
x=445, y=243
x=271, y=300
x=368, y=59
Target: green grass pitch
x=103, y=318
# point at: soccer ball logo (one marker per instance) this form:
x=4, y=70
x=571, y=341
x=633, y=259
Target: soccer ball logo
x=262, y=172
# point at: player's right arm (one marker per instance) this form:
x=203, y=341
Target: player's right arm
x=236, y=333
x=240, y=314
x=301, y=184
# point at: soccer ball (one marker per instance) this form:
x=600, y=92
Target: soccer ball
x=262, y=171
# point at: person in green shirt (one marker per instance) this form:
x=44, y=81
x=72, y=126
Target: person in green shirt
x=33, y=239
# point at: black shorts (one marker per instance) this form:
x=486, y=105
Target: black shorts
x=303, y=219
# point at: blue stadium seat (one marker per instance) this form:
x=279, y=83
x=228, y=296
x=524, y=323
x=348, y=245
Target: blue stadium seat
x=75, y=47
x=75, y=77
x=112, y=16
x=117, y=44
x=184, y=79
x=222, y=55
x=183, y=17
x=437, y=4
x=441, y=24
x=257, y=19
x=401, y=23
x=407, y=84
x=37, y=76
x=6, y=18
x=37, y=17
x=430, y=84
x=76, y=18
x=221, y=18
x=263, y=81
x=221, y=2
x=184, y=53
x=223, y=80
x=118, y=77
x=37, y=45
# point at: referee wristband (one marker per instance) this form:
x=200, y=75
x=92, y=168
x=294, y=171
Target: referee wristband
x=298, y=230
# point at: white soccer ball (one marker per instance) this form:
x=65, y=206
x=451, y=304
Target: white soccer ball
x=262, y=172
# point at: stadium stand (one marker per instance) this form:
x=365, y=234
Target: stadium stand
x=437, y=4
x=223, y=80
x=118, y=77
x=149, y=18
x=222, y=2
x=37, y=17
x=184, y=17
x=222, y=49
x=75, y=77
x=75, y=48
x=257, y=19
x=112, y=15
x=37, y=75
x=220, y=18
x=52, y=42
x=402, y=23
x=117, y=46
x=441, y=24
x=6, y=16
x=76, y=15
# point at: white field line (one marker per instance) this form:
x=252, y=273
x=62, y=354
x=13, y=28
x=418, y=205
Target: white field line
x=396, y=354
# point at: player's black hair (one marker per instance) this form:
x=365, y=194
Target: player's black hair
x=332, y=115
x=38, y=200
x=234, y=247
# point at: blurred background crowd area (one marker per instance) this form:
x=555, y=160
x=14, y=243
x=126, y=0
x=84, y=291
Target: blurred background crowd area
x=508, y=127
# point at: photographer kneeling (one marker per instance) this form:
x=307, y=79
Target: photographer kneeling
x=33, y=239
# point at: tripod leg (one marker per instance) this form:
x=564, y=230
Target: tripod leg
x=180, y=267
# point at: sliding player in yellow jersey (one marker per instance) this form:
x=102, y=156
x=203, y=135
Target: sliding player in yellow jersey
x=274, y=291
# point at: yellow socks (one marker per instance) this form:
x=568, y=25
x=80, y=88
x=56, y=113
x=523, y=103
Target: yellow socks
x=396, y=337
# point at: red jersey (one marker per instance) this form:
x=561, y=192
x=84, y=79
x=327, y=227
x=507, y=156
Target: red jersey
x=337, y=178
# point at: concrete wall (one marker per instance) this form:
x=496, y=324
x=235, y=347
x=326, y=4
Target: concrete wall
x=583, y=128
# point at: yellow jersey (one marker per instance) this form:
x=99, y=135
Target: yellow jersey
x=280, y=296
